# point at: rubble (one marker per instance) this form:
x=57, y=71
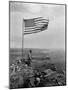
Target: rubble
x=24, y=76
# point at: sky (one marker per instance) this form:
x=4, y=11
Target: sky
x=52, y=38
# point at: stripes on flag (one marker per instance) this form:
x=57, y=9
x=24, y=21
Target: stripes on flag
x=35, y=25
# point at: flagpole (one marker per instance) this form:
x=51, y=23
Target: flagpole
x=22, y=37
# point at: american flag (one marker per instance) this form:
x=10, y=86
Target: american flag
x=35, y=25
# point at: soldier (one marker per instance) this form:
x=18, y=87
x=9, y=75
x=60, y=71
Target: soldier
x=29, y=58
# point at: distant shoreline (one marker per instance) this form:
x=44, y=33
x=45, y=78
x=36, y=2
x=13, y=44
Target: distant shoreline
x=37, y=49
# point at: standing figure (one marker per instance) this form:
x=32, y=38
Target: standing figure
x=29, y=58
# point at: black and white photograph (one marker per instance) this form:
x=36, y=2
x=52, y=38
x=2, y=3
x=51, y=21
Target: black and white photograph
x=37, y=44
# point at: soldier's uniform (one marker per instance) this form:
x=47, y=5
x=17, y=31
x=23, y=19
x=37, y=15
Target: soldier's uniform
x=29, y=58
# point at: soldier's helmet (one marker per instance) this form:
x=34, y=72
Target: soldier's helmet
x=30, y=51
